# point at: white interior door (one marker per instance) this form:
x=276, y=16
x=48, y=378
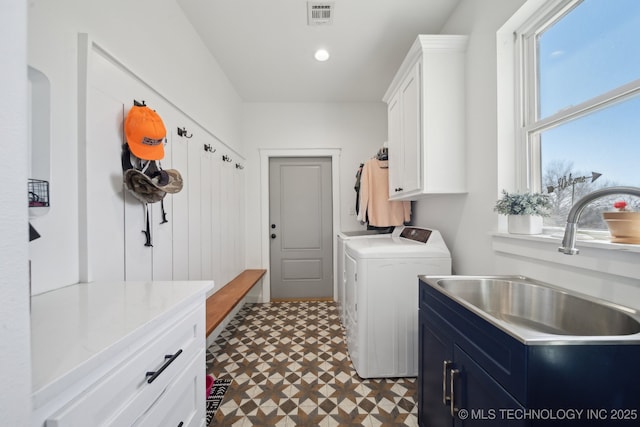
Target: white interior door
x=300, y=212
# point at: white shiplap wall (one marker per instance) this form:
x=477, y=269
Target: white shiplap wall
x=112, y=241
x=172, y=60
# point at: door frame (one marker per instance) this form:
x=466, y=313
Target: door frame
x=265, y=155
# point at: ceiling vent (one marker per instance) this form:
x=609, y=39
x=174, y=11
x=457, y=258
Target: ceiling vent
x=319, y=13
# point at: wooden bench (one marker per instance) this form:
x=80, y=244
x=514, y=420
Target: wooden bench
x=220, y=304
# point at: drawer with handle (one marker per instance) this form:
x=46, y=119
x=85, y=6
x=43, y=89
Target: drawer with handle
x=130, y=388
x=179, y=404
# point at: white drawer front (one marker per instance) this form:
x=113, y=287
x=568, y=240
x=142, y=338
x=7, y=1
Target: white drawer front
x=184, y=401
x=125, y=393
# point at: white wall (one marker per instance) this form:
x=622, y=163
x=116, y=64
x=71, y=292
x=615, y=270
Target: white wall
x=156, y=42
x=15, y=360
x=358, y=129
x=467, y=220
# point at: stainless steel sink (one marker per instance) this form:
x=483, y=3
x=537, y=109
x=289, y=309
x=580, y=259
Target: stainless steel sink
x=536, y=311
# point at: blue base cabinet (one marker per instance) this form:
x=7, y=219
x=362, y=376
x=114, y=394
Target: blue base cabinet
x=450, y=380
x=474, y=374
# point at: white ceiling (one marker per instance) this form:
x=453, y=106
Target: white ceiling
x=266, y=47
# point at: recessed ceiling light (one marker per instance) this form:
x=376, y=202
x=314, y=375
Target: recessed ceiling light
x=321, y=55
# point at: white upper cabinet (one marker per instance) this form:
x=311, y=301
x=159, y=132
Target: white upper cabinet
x=426, y=113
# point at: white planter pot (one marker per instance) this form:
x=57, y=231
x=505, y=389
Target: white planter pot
x=525, y=224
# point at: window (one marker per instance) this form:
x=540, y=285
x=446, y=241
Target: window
x=579, y=63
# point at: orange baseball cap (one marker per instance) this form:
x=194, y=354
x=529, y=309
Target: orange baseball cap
x=145, y=133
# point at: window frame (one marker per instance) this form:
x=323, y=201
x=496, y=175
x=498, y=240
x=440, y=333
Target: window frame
x=529, y=127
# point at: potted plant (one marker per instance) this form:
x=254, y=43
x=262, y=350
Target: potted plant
x=624, y=225
x=524, y=211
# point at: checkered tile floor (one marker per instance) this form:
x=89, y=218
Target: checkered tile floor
x=290, y=367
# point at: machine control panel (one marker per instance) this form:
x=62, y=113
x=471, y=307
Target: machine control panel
x=420, y=235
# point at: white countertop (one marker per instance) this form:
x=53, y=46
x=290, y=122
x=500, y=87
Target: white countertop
x=76, y=328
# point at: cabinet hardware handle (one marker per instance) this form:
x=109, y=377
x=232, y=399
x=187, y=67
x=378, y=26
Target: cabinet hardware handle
x=445, y=367
x=155, y=374
x=273, y=235
x=454, y=374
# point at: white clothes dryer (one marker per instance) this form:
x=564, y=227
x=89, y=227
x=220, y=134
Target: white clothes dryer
x=381, y=298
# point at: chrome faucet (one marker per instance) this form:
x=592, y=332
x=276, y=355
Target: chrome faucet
x=569, y=241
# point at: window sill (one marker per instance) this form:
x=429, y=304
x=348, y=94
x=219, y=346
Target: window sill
x=590, y=240
x=595, y=255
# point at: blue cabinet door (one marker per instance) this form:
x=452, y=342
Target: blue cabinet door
x=435, y=349
x=478, y=399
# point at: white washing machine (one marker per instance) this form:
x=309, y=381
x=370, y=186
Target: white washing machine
x=381, y=298
x=343, y=237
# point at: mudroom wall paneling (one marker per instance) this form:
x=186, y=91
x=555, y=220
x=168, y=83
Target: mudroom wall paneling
x=184, y=240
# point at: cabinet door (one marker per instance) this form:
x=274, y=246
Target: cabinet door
x=395, y=144
x=433, y=376
x=478, y=398
x=410, y=99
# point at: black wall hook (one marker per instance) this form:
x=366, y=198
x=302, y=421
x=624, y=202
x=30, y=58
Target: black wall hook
x=226, y=158
x=139, y=104
x=183, y=132
x=209, y=148
x=239, y=166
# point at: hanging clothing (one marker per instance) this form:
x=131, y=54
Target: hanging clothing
x=375, y=206
x=357, y=187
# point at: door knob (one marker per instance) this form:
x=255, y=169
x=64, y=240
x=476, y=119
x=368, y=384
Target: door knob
x=273, y=236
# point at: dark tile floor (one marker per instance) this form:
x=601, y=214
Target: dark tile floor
x=290, y=367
